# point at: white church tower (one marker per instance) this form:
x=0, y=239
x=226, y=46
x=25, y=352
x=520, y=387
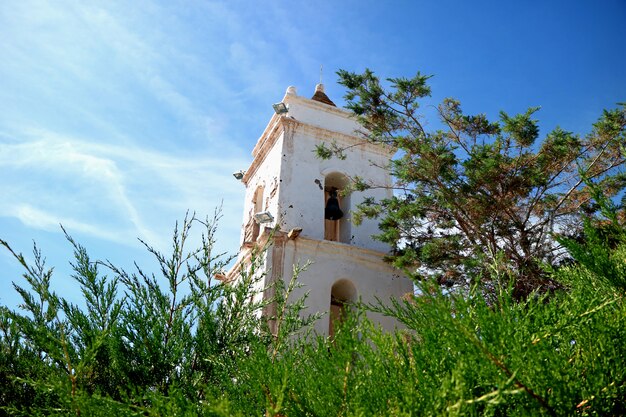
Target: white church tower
x=288, y=188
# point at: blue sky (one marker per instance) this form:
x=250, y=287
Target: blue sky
x=117, y=117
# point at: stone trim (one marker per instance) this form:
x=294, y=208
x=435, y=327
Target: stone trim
x=323, y=134
x=345, y=251
x=318, y=105
x=289, y=127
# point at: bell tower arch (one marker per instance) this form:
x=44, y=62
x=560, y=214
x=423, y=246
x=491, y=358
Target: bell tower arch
x=337, y=224
x=308, y=203
x=342, y=294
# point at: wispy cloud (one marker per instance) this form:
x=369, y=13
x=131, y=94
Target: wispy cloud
x=108, y=191
x=114, y=119
x=38, y=219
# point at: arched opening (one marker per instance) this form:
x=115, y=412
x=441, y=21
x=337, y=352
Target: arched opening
x=337, y=230
x=342, y=293
x=257, y=204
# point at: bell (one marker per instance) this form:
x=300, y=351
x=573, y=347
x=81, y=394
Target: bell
x=332, y=211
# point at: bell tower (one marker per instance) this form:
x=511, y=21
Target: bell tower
x=291, y=190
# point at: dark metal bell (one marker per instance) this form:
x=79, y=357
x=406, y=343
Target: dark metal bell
x=332, y=211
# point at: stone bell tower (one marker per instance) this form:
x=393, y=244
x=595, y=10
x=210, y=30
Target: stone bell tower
x=292, y=190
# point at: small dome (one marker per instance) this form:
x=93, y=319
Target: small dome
x=321, y=96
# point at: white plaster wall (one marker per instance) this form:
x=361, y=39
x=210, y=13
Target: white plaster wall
x=260, y=274
x=291, y=168
x=268, y=176
x=302, y=200
x=321, y=115
x=333, y=261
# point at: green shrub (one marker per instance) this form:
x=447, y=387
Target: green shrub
x=180, y=343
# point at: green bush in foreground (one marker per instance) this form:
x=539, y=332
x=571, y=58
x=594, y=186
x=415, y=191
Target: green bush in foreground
x=141, y=345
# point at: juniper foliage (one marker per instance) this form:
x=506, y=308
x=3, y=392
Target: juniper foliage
x=166, y=343
x=139, y=345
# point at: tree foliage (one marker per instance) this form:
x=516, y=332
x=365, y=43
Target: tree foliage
x=138, y=345
x=476, y=190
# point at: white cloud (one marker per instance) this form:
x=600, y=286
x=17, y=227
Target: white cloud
x=42, y=220
x=109, y=191
x=138, y=116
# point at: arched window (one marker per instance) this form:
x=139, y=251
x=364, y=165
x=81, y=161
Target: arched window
x=337, y=227
x=257, y=204
x=342, y=293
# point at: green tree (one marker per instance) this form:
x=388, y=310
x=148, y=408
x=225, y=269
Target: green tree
x=477, y=190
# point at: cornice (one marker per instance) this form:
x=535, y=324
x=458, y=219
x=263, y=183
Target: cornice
x=337, y=249
x=271, y=237
x=324, y=134
x=280, y=124
x=319, y=106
